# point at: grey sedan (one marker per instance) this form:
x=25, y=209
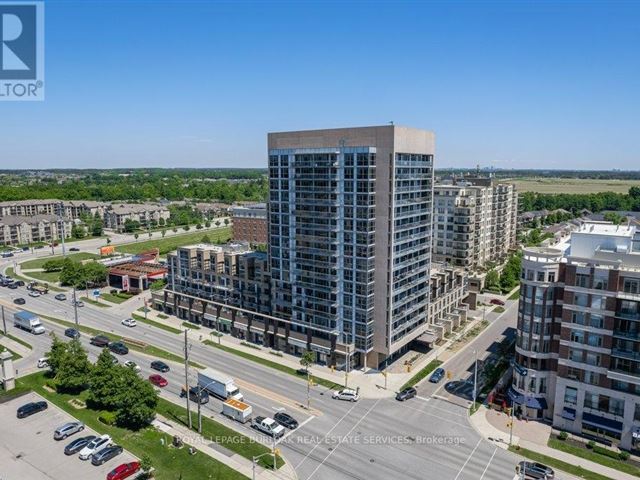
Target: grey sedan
x=68, y=429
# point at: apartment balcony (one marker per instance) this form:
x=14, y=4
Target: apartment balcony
x=628, y=315
x=627, y=334
x=630, y=354
x=622, y=376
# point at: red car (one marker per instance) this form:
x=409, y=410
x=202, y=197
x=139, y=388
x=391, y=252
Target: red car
x=496, y=301
x=123, y=471
x=158, y=380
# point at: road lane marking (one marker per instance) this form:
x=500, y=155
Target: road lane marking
x=468, y=458
x=490, y=460
x=295, y=430
x=450, y=412
x=426, y=412
x=326, y=435
x=340, y=443
x=271, y=395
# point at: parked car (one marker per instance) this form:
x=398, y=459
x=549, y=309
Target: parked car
x=347, y=394
x=74, y=249
x=100, y=341
x=19, y=301
x=406, y=394
x=158, y=380
x=7, y=254
x=106, y=454
x=286, y=420
x=34, y=294
x=12, y=286
x=72, y=333
x=119, y=347
x=132, y=365
x=31, y=408
x=437, y=375
x=43, y=362
x=68, y=429
x=129, y=322
x=536, y=470
x=78, y=444
x=94, y=446
x=160, y=366
x=61, y=297
x=193, y=394
x=496, y=301
x=18, y=283
x=123, y=471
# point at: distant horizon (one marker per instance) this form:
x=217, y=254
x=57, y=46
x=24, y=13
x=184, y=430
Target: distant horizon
x=513, y=85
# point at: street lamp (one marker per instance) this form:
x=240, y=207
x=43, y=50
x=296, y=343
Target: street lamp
x=475, y=378
x=200, y=389
x=254, y=459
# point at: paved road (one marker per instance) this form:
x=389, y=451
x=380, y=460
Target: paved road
x=371, y=439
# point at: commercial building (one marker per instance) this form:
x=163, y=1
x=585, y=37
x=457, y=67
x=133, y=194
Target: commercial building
x=146, y=214
x=578, y=346
x=21, y=230
x=350, y=237
x=475, y=221
x=250, y=223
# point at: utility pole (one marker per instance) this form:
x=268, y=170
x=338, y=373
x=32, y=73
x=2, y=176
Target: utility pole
x=513, y=407
x=475, y=377
x=186, y=376
x=75, y=306
x=61, y=220
x=199, y=408
x=4, y=321
x=308, y=389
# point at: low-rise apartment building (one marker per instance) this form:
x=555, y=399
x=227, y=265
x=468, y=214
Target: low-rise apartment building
x=250, y=223
x=20, y=230
x=578, y=347
x=146, y=214
x=475, y=221
x=72, y=209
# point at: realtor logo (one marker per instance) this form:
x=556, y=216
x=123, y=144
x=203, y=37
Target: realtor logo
x=21, y=50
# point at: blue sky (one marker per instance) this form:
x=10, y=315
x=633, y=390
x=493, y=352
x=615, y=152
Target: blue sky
x=509, y=84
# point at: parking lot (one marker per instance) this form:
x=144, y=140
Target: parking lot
x=28, y=450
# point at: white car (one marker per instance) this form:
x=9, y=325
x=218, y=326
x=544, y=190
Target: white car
x=346, y=394
x=129, y=322
x=34, y=294
x=132, y=365
x=94, y=446
x=43, y=362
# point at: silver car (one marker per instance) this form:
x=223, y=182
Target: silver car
x=68, y=429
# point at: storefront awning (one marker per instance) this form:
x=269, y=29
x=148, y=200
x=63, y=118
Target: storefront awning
x=602, y=422
x=537, y=403
x=569, y=413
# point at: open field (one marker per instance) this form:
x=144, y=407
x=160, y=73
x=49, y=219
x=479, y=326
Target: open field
x=168, y=244
x=39, y=262
x=572, y=185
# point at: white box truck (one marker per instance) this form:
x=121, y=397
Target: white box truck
x=28, y=321
x=237, y=410
x=218, y=384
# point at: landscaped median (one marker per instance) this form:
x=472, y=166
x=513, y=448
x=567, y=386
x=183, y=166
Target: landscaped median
x=275, y=365
x=422, y=374
x=168, y=328
x=552, y=462
x=169, y=463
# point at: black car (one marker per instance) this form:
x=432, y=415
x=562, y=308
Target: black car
x=31, y=408
x=12, y=286
x=193, y=395
x=286, y=420
x=106, y=454
x=72, y=333
x=100, y=341
x=20, y=301
x=406, y=394
x=118, y=347
x=160, y=366
x=74, y=249
x=19, y=283
x=78, y=444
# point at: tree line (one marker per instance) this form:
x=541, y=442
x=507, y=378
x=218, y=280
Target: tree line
x=574, y=202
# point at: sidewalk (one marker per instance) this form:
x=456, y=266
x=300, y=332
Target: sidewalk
x=537, y=434
x=232, y=460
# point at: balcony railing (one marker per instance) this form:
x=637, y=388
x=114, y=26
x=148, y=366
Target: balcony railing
x=631, y=354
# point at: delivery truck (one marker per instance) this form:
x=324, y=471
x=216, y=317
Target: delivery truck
x=28, y=321
x=218, y=384
x=237, y=410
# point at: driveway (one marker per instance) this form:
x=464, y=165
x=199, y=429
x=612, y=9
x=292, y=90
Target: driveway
x=28, y=450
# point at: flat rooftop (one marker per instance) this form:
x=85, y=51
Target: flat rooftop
x=607, y=228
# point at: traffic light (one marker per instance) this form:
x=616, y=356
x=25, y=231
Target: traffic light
x=449, y=374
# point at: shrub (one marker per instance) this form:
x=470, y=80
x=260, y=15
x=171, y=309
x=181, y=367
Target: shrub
x=591, y=444
x=624, y=456
x=563, y=435
x=108, y=418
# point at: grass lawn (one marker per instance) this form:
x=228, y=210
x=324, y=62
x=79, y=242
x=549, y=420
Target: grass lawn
x=576, y=470
x=47, y=277
x=149, y=349
x=94, y=302
x=11, y=273
x=431, y=366
x=228, y=438
x=17, y=340
x=116, y=297
x=573, y=185
x=39, y=262
x=515, y=295
x=14, y=355
x=169, y=463
x=274, y=365
x=499, y=309
x=140, y=318
x=192, y=326
x=168, y=244
x=587, y=454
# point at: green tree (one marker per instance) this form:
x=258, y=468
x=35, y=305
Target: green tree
x=162, y=222
x=634, y=192
x=186, y=228
x=53, y=265
x=56, y=356
x=146, y=465
x=175, y=229
x=103, y=382
x=137, y=400
x=307, y=359
x=163, y=232
x=131, y=226
x=77, y=231
x=217, y=223
x=492, y=279
x=226, y=221
x=97, y=226
x=199, y=226
x=136, y=235
x=73, y=373
x=207, y=224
